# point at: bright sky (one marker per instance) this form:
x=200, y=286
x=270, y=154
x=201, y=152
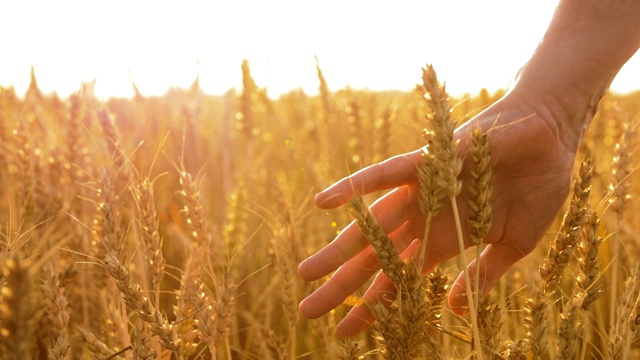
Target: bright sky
x=374, y=44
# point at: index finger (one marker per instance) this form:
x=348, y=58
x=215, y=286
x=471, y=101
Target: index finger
x=388, y=174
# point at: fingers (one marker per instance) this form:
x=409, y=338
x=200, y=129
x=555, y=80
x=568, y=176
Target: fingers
x=381, y=291
x=349, y=278
x=391, y=211
x=391, y=173
x=360, y=317
x=495, y=260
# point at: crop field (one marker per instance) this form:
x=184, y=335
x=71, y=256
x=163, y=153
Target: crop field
x=172, y=227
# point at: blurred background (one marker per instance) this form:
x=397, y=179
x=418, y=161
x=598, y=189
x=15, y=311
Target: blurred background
x=361, y=44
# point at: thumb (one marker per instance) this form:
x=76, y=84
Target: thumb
x=495, y=260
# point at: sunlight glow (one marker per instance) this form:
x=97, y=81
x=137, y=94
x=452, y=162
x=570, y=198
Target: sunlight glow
x=374, y=44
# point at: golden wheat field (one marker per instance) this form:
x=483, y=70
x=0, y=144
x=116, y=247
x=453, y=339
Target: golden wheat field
x=172, y=227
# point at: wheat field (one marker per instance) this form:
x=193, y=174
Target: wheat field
x=171, y=228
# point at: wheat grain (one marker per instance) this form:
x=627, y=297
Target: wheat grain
x=570, y=327
x=620, y=195
x=589, y=281
x=91, y=343
x=480, y=188
x=620, y=334
x=489, y=326
x=480, y=196
x=535, y=323
x=56, y=308
x=436, y=293
x=135, y=300
x=517, y=350
x=142, y=344
x=572, y=223
x=348, y=350
x=148, y=220
x=389, y=258
x=188, y=297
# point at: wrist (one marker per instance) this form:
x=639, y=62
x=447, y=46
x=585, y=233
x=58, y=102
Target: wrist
x=587, y=43
x=567, y=108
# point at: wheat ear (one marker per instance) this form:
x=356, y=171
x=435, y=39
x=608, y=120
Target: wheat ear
x=489, y=324
x=438, y=174
x=92, y=344
x=574, y=219
x=149, y=224
x=621, y=194
x=56, y=309
x=535, y=322
x=436, y=293
x=570, y=327
x=138, y=303
x=620, y=334
x=480, y=195
x=142, y=344
x=285, y=267
x=589, y=280
x=16, y=310
x=389, y=258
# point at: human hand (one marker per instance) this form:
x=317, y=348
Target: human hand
x=533, y=162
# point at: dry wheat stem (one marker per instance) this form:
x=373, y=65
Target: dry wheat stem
x=463, y=264
x=425, y=238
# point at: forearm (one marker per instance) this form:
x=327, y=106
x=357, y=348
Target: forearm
x=586, y=44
